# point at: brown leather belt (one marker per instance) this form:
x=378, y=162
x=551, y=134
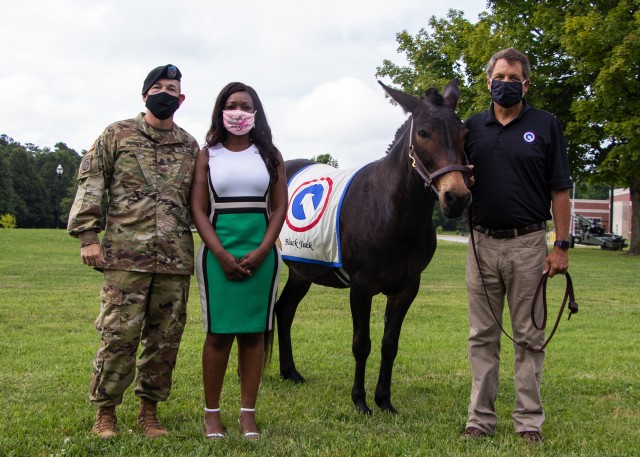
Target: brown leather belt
x=510, y=233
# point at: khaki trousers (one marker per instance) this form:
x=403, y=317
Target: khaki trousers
x=143, y=309
x=512, y=268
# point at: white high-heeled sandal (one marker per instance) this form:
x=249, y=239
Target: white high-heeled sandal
x=252, y=436
x=213, y=436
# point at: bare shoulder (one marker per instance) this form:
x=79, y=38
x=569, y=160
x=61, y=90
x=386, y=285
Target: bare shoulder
x=203, y=155
x=202, y=162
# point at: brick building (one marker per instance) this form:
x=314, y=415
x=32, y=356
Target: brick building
x=600, y=211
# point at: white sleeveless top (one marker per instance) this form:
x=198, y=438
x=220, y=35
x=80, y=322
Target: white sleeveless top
x=238, y=174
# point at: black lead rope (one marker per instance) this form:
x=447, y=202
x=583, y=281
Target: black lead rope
x=568, y=296
x=541, y=289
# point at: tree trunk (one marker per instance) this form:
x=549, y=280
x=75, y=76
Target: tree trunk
x=634, y=243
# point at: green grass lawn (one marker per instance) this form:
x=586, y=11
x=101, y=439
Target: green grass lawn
x=591, y=381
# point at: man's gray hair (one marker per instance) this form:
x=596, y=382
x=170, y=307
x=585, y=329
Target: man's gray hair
x=511, y=55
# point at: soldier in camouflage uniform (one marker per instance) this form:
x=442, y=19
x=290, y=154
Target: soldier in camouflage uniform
x=145, y=167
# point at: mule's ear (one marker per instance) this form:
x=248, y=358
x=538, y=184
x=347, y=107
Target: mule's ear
x=451, y=93
x=407, y=101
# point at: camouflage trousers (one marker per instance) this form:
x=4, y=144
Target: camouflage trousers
x=138, y=309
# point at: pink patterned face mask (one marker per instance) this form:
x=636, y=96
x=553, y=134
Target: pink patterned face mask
x=238, y=122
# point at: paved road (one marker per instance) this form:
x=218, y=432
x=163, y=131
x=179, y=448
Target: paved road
x=465, y=239
x=454, y=238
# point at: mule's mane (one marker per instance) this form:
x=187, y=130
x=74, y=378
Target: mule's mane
x=399, y=133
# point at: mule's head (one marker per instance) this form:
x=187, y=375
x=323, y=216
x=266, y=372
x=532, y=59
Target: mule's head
x=437, y=144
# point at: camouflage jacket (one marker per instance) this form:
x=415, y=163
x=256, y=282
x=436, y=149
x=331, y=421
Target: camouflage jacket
x=146, y=174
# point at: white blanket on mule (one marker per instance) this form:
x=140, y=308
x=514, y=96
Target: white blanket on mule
x=311, y=232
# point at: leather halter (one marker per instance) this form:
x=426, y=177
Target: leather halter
x=427, y=176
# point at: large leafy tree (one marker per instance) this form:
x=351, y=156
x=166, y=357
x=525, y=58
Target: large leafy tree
x=606, y=46
x=30, y=188
x=8, y=201
x=585, y=58
x=32, y=209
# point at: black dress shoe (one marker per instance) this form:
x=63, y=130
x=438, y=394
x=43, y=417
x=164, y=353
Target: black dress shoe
x=531, y=437
x=473, y=432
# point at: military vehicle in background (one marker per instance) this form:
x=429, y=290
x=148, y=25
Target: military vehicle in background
x=590, y=233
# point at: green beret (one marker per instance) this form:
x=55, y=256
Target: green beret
x=168, y=71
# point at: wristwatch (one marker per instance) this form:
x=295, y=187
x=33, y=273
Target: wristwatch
x=562, y=244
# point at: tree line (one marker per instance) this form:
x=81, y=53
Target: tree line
x=31, y=190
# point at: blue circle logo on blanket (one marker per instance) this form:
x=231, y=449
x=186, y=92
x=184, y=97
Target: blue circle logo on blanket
x=308, y=203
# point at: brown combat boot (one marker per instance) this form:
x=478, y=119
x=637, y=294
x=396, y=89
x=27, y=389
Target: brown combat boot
x=148, y=420
x=105, y=424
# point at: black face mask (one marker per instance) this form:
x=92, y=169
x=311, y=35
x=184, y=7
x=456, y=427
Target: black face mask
x=506, y=93
x=162, y=105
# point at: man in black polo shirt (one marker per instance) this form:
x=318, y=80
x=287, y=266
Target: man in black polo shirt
x=521, y=172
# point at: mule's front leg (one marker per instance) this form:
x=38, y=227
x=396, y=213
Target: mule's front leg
x=294, y=291
x=361, y=344
x=397, y=307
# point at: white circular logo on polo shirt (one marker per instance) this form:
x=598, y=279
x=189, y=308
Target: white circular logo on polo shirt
x=529, y=137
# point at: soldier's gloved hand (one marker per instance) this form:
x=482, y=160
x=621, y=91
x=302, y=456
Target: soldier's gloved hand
x=91, y=255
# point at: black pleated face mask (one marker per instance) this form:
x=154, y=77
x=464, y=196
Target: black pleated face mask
x=506, y=93
x=162, y=105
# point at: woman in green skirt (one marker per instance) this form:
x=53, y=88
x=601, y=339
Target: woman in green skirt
x=238, y=205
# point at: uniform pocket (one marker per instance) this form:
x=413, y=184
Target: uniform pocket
x=180, y=170
x=132, y=169
x=98, y=365
x=179, y=313
x=109, y=321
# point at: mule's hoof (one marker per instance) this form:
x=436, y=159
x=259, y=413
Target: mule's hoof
x=389, y=409
x=292, y=375
x=386, y=406
x=363, y=409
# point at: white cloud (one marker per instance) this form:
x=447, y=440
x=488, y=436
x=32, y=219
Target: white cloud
x=71, y=67
x=346, y=118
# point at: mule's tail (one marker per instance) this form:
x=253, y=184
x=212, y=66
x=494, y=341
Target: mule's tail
x=269, y=336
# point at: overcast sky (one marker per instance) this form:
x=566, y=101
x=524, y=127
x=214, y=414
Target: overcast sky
x=68, y=68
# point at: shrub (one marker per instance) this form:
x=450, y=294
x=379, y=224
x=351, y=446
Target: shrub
x=8, y=221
